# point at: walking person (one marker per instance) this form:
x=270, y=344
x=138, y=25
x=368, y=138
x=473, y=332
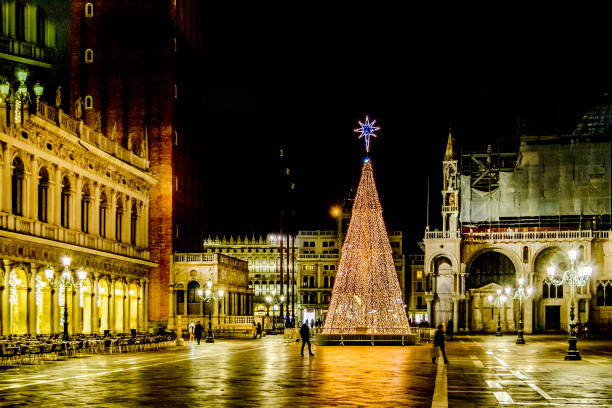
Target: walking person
x=438, y=344
x=258, y=332
x=305, y=335
x=199, y=329
x=191, y=329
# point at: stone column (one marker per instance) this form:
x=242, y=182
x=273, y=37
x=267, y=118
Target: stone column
x=139, y=308
x=145, y=314
x=455, y=316
x=111, y=305
x=111, y=215
x=528, y=316
x=477, y=306
x=6, y=307
x=31, y=300
x=77, y=310
x=95, y=309
x=57, y=197
x=32, y=191
x=95, y=204
x=429, y=299
x=171, y=307
x=55, y=310
x=127, y=300
x=78, y=195
x=8, y=205
x=4, y=187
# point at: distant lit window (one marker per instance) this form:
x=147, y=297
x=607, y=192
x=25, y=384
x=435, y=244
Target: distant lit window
x=419, y=274
x=88, y=55
x=88, y=102
x=88, y=10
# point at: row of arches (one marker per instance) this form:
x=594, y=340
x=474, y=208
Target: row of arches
x=31, y=304
x=124, y=210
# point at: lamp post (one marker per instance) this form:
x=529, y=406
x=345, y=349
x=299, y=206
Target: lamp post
x=574, y=276
x=65, y=279
x=274, y=300
x=22, y=96
x=210, y=296
x=499, y=301
x=38, y=91
x=522, y=294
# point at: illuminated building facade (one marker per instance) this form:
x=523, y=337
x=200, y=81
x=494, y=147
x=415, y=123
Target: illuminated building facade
x=135, y=74
x=68, y=190
x=317, y=254
x=190, y=276
x=512, y=214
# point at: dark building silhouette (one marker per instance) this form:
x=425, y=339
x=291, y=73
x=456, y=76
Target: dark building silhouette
x=136, y=65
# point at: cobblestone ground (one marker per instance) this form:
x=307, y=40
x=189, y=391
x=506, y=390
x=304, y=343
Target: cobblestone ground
x=257, y=373
x=489, y=371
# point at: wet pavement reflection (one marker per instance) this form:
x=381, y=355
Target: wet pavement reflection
x=258, y=373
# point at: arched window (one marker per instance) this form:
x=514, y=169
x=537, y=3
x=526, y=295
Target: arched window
x=193, y=300
x=103, y=209
x=277, y=286
x=608, y=295
x=89, y=10
x=325, y=282
x=552, y=291
x=133, y=219
x=17, y=186
x=40, y=27
x=545, y=290
x=305, y=282
x=257, y=288
x=85, y=204
x=88, y=102
x=88, y=55
x=312, y=282
x=600, y=295
x=65, y=203
x=560, y=291
x=43, y=194
x=118, y=220
x=331, y=282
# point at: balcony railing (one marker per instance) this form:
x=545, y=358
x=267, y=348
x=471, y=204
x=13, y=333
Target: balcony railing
x=26, y=50
x=528, y=235
x=25, y=226
x=442, y=234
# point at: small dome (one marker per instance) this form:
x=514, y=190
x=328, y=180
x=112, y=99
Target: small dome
x=596, y=122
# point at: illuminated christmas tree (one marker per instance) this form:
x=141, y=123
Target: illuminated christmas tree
x=366, y=298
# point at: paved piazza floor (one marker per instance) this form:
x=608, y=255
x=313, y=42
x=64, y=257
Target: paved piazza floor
x=484, y=371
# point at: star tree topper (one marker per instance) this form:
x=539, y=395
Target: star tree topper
x=367, y=130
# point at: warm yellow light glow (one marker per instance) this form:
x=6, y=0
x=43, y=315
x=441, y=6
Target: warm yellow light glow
x=336, y=211
x=366, y=296
x=66, y=260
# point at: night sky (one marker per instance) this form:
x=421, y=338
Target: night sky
x=303, y=82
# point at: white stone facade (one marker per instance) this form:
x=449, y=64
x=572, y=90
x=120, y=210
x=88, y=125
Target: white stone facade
x=67, y=190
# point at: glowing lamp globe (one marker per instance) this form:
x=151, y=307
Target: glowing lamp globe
x=38, y=89
x=200, y=292
x=66, y=260
x=572, y=254
x=22, y=75
x=220, y=293
x=209, y=284
x=4, y=88
x=551, y=270
x=49, y=273
x=81, y=274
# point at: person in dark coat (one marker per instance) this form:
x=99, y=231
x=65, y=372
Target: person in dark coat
x=305, y=334
x=439, y=343
x=258, y=331
x=199, y=329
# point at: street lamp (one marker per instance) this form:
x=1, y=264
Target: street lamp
x=273, y=300
x=499, y=301
x=38, y=91
x=64, y=280
x=575, y=276
x=210, y=296
x=522, y=294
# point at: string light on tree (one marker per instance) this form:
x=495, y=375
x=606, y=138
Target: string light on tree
x=366, y=298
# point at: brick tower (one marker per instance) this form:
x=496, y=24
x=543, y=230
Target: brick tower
x=136, y=65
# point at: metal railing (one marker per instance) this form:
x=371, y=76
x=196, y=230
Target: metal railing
x=528, y=235
x=442, y=234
